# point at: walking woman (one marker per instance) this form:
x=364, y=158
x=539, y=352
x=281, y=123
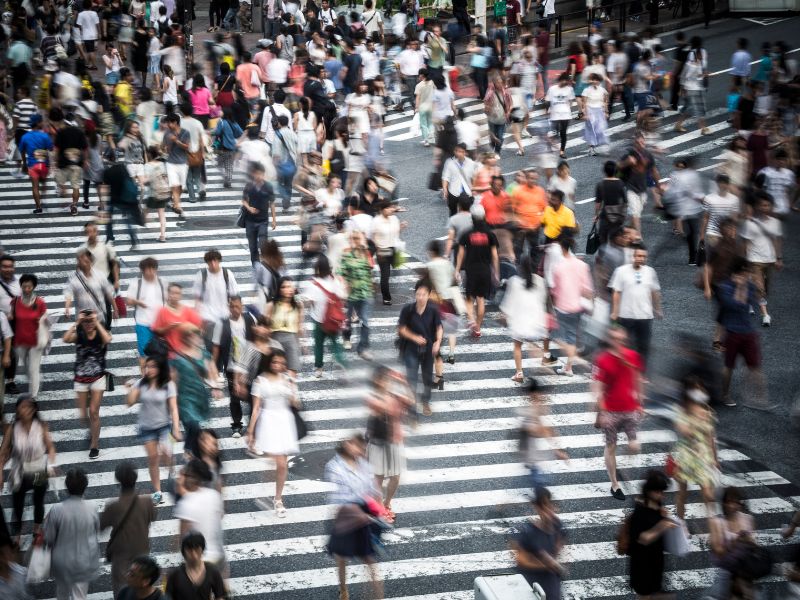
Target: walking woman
x=305, y=125
x=133, y=145
x=725, y=532
x=91, y=342
x=285, y=314
x=352, y=533
x=200, y=97
x=559, y=111
x=157, y=191
x=537, y=545
x=322, y=289
x=525, y=310
x=388, y=405
x=158, y=417
x=441, y=274
x=595, y=114
x=94, y=166
x=386, y=237
x=644, y=536
x=224, y=85
x=695, y=455
x=27, y=444
x=225, y=136
x=272, y=429
x=28, y=314
x=191, y=370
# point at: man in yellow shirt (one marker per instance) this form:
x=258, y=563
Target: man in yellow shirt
x=123, y=92
x=556, y=217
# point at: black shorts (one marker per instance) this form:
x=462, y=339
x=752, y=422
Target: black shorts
x=89, y=45
x=479, y=284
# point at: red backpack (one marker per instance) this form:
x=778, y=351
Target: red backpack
x=335, y=316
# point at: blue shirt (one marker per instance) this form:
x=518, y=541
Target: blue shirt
x=227, y=133
x=735, y=316
x=740, y=63
x=333, y=67
x=34, y=145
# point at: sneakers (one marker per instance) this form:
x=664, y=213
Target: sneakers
x=94, y=453
x=280, y=509
x=237, y=433
x=157, y=498
x=548, y=360
x=728, y=401
x=766, y=321
x=564, y=371
x=37, y=211
x=705, y=131
x=318, y=373
x=348, y=345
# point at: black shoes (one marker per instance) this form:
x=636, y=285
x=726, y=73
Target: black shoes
x=618, y=493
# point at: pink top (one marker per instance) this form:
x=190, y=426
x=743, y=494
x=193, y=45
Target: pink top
x=200, y=98
x=571, y=280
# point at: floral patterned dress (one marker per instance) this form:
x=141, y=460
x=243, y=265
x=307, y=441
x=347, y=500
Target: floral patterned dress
x=694, y=452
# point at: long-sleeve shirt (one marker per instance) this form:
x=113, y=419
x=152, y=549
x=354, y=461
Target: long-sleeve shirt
x=735, y=315
x=71, y=531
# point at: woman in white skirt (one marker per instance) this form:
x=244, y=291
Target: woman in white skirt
x=272, y=428
x=305, y=124
x=595, y=98
x=388, y=404
x=525, y=310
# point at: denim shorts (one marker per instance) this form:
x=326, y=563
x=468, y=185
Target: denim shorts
x=143, y=336
x=153, y=435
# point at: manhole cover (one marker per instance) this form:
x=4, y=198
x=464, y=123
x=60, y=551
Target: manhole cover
x=209, y=223
x=310, y=465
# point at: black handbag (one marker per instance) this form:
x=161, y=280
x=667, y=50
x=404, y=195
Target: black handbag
x=240, y=217
x=378, y=429
x=593, y=241
x=299, y=423
x=156, y=348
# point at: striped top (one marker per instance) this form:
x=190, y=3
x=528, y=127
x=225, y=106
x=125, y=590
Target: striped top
x=23, y=110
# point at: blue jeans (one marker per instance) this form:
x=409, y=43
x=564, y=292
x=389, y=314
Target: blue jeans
x=362, y=308
x=231, y=19
x=194, y=179
x=416, y=361
x=128, y=223
x=256, y=232
x=285, y=187
x=498, y=131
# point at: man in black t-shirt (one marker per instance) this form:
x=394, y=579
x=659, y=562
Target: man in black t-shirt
x=352, y=68
x=71, y=148
x=639, y=170
x=477, y=255
x=258, y=202
x=182, y=582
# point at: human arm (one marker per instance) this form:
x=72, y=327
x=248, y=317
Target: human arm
x=49, y=445
x=615, y=298
x=655, y=295
x=172, y=404
x=459, y=262
x=256, y=411
x=651, y=535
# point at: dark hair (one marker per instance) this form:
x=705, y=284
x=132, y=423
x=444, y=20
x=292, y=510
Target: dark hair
x=656, y=481
x=193, y=540
x=212, y=254
x=435, y=247
x=543, y=497
x=7, y=257
x=148, y=567
x=464, y=202
x=217, y=459
x=423, y=283
x=526, y=271
x=730, y=494
x=323, y=267
x=28, y=398
x=174, y=284
x=126, y=475
x=557, y=194
x=163, y=377
x=29, y=278
x=265, y=365
x=356, y=437
x=293, y=300
x=198, y=470
x=76, y=482
x=148, y=263
x=567, y=242
x=279, y=96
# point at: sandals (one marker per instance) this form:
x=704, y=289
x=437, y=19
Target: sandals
x=518, y=377
x=520, y=153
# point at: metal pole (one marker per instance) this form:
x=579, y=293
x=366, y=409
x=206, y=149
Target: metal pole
x=188, y=42
x=480, y=13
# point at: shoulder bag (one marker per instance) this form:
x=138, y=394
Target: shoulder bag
x=119, y=526
x=287, y=167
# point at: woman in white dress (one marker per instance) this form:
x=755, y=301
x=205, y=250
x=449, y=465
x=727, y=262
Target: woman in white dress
x=595, y=113
x=358, y=109
x=272, y=428
x=305, y=125
x=525, y=310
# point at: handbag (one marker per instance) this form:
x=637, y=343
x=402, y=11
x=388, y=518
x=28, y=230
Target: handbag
x=435, y=181
x=378, y=429
x=287, y=167
x=122, y=308
x=195, y=159
x=676, y=541
x=593, y=240
x=39, y=561
x=240, y=217
x=299, y=423
x=117, y=529
x=109, y=381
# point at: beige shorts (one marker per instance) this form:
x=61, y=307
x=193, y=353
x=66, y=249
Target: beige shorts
x=95, y=386
x=636, y=202
x=69, y=177
x=176, y=174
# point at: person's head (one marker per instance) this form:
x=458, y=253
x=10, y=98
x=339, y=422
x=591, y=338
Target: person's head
x=460, y=151
x=148, y=267
x=563, y=80
x=731, y=501
x=287, y=289
x=26, y=409
x=780, y=159
x=639, y=256
x=555, y=199
x=235, y=307
x=619, y=237
x=193, y=545
x=273, y=363
x=654, y=486
x=763, y=203
x=386, y=208
x=156, y=371
x=174, y=294
x=489, y=159
x=609, y=168
x=76, y=482
x=143, y=573
x=322, y=268
x=543, y=503
x=195, y=474
x=723, y=183
x=126, y=476
x=271, y=254
x=85, y=260
x=90, y=230
x=28, y=283
x=353, y=447
x=213, y=260
x=422, y=291
x=464, y=203
x=208, y=444
x=566, y=242
x=435, y=249
x=173, y=122
x=256, y=171
x=262, y=329
x=7, y=266
x=531, y=177
x=617, y=337
x=497, y=184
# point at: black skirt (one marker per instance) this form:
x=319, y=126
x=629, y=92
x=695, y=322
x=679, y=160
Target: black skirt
x=353, y=544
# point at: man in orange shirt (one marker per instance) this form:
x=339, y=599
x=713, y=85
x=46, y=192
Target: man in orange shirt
x=528, y=202
x=496, y=203
x=175, y=318
x=247, y=74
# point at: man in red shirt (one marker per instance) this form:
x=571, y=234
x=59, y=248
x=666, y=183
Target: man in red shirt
x=175, y=318
x=617, y=387
x=542, y=39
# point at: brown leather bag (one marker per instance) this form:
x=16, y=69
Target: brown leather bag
x=195, y=159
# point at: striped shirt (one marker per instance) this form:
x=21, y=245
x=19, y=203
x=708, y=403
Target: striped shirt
x=23, y=110
x=352, y=485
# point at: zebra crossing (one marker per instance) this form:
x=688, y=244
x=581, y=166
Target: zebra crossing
x=465, y=489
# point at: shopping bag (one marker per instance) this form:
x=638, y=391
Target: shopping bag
x=676, y=540
x=39, y=563
x=414, y=129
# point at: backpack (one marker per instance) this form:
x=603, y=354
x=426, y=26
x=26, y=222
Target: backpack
x=204, y=276
x=334, y=317
x=159, y=183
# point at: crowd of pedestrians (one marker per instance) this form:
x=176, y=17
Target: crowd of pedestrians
x=301, y=117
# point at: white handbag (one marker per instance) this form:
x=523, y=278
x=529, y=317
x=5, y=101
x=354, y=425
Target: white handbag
x=676, y=540
x=44, y=336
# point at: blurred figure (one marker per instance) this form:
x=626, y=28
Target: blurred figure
x=323, y=289
x=195, y=578
x=451, y=304
x=28, y=313
x=200, y=509
x=12, y=575
x=645, y=531
x=537, y=438
x=721, y=255
x=355, y=267
x=129, y=518
x=71, y=532
x=734, y=526
x=537, y=545
x=353, y=526
x=285, y=315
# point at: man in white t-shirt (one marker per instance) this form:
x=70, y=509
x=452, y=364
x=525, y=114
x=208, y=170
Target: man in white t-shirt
x=327, y=16
x=370, y=63
x=763, y=235
x=409, y=63
x=267, y=131
x=636, y=300
x=469, y=133
x=89, y=23
x=213, y=286
x=146, y=294
x=780, y=183
x=721, y=205
x=194, y=176
x=201, y=509
x=372, y=19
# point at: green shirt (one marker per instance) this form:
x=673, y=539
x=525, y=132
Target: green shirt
x=357, y=272
x=194, y=396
